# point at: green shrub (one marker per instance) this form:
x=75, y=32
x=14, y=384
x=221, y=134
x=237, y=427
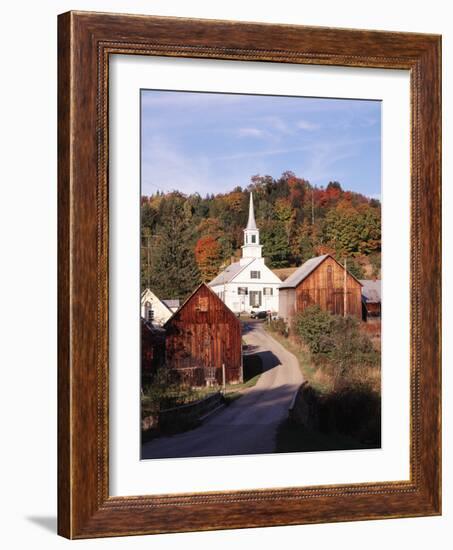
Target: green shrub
x=313, y=325
x=165, y=392
x=349, y=350
x=337, y=346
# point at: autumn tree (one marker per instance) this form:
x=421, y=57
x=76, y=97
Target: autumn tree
x=297, y=219
x=208, y=256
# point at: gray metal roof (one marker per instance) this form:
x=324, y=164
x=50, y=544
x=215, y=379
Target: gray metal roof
x=171, y=303
x=229, y=273
x=303, y=272
x=371, y=290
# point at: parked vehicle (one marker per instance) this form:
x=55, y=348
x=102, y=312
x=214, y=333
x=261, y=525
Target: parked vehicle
x=259, y=314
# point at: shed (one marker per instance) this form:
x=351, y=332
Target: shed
x=201, y=337
x=371, y=298
x=322, y=281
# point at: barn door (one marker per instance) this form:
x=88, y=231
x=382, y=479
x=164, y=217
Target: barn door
x=339, y=303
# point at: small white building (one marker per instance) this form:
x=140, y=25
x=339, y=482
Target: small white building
x=248, y=284
x=154, y=310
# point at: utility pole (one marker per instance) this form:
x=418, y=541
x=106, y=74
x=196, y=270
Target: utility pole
x=148, y=261
x=345, y=296
x=312, y=206
x=147, y=247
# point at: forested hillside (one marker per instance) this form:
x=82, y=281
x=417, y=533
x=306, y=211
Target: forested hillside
x=187, y=239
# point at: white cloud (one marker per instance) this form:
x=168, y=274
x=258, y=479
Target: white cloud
x=251, y=132
x=306, y=125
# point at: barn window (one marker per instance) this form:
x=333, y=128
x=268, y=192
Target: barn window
x=255, y=274
x=329, y=276
x=243, y=291
x=268, y=291
x=203, y=303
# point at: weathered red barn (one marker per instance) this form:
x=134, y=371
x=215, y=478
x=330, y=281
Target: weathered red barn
x=322, y=281
x=203, y=339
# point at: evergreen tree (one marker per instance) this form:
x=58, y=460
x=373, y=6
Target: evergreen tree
x=275, y=244
x=173, y=270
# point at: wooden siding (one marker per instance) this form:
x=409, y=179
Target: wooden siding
x=286, y=303
x=324, y=287
x=202, y=335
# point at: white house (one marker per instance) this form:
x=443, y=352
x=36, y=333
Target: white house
x=153, y=310
x=248, y=284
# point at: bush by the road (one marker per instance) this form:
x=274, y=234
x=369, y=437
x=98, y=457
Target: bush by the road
x=338, y=347
x=279, y=326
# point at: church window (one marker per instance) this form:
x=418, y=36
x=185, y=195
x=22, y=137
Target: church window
x=268, y=291
x=243, y=290
x=255, y=298
x=255, y=274
x=150, y=315
x=253, y=238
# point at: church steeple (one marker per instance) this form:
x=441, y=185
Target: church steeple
x=251, y=223
x=251, y=248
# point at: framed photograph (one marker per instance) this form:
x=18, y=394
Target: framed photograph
x=249, y=275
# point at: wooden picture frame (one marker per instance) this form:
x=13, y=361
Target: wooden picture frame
x=85, y=41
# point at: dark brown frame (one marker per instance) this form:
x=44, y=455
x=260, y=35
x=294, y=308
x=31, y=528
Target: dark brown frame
x=85, y=41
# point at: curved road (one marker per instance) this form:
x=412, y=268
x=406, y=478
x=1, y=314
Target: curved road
x=249, y=424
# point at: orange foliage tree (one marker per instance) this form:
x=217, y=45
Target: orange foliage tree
x=208, y=255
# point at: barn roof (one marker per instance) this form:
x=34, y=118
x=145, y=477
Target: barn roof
x=171, y=303
x=303, y=272
x=371, y=290
x=305, y=269
x=229, y=273
x=201, y=285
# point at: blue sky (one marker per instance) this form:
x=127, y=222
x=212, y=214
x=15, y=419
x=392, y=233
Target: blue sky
x=211, y=143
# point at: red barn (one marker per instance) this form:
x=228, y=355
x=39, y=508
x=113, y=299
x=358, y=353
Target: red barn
x=202, y=338
x=322, y=281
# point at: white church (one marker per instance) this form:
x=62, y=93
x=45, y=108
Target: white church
x=248, y=284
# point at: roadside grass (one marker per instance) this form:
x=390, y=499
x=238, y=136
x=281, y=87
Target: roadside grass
x=335, y=413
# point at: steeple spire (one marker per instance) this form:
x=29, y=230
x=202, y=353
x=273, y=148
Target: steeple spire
x=251, y=248
x=251, y=223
